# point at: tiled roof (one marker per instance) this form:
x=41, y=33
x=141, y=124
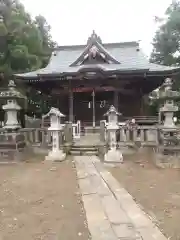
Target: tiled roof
x=129, y=56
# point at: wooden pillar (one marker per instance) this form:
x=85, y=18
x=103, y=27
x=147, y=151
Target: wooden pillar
x=71, y=110
x=93, y=108
x=116, y=100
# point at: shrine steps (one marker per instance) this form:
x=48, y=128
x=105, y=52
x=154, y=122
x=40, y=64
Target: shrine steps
x=84, y=150
x=91, y=129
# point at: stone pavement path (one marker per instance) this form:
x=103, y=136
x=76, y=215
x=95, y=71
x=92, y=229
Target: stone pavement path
x=111, y=212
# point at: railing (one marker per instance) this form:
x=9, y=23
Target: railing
x=143, y=119
x=146, y=135
x=45, y=123
x=129, y=136
x=14, y=145
x=40, y=136
x=37, y=136
x=76, y=127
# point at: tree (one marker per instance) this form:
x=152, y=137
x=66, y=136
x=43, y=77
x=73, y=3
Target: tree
x=47, y=43
x=166, y=43
x=27, y=42
x=25, y=45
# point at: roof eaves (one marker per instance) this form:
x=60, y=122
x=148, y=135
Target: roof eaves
x=170, y=71
x=101, y=69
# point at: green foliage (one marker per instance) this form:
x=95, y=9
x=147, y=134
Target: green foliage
x=166, y=43
x=25, y=45
x=28, y=42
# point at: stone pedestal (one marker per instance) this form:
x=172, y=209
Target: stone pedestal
x=68, y=134
x=12, y=147
x=167, y=157
x=113, y=156
x=152, y=136
x=56, y=154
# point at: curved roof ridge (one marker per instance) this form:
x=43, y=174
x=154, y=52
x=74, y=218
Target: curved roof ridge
x=112, y=44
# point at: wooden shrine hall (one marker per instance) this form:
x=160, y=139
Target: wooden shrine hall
x=86, y=79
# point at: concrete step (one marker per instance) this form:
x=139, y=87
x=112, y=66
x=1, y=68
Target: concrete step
x=84, y=149
x=82, y=153
x=91, y=130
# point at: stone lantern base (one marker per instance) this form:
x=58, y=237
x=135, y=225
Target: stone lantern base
x=167, y=157
x=113, y=156
x=12, y=147
x=58, y=155
x=12, y=127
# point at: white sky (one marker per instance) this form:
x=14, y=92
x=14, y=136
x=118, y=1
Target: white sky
x=72, y=21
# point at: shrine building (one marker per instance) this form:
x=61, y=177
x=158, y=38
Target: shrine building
x=87, y=79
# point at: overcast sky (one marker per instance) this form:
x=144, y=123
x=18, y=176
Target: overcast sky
x=72, y=21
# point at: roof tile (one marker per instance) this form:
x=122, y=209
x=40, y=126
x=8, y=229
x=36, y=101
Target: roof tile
x=128, y=54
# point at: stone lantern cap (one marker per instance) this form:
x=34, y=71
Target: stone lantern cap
x=112, y=110
x=168, y=93
x=169, y=108
x=168, y=82
x=55, y=112
x=11, y=92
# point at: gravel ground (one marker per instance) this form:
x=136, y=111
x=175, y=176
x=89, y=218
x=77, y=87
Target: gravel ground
x=156, y=190
x=41, y=201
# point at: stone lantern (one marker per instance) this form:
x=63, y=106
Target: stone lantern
x=168, y=150
x=12, y=142
x=112, y=115
x=56, y=154
x=11, y=108
x=169, y=108
x=113, y=154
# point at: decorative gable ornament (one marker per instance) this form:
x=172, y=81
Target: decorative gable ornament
x=94, y=53
x=94, y=38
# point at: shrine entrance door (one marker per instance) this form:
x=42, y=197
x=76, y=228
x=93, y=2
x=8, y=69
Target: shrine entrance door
x=90, y=106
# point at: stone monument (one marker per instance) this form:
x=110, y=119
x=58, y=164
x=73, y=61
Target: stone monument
x=113, y=155
x=56, y=153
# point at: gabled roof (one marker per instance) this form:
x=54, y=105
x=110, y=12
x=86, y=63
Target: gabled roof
x=118, y=57
x=94, y=48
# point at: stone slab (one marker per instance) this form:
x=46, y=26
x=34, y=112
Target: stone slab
x=151, y=233
x=86, y=186
x=111, y=211
x=99, y=186
x=126, y=232
x=98, y=223
x=137, y=216
x=115, y=214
